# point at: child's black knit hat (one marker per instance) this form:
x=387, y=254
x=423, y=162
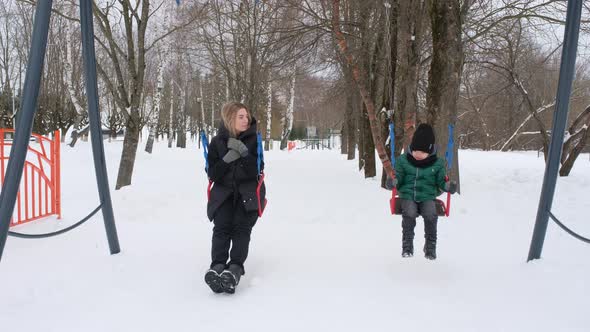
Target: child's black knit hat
x=423, y=139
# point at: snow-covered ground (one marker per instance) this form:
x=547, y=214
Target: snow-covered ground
x=325, y=257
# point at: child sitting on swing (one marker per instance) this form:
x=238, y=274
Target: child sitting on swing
x=420, y=178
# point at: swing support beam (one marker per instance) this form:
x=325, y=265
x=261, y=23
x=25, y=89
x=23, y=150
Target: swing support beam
x=564, y=88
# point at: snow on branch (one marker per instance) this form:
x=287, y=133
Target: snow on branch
x=530, y=116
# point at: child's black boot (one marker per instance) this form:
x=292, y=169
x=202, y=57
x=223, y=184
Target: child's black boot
x=430, y=249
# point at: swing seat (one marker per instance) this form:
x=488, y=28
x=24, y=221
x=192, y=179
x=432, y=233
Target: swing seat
x=395, y=205
x=261, y=206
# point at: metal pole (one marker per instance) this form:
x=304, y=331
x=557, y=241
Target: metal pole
x=566, y=76
x=24, y=126
x=102, y=179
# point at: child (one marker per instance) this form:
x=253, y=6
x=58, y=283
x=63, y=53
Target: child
x=233, y=204
x=419, y=179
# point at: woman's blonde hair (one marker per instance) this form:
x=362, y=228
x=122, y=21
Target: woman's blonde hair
x=229, y=114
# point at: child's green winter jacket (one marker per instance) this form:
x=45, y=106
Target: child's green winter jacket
x=420, y=183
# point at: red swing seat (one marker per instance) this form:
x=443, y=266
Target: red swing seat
x=442, y=209
x=261, y=207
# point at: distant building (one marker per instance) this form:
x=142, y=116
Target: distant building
x=311, y=132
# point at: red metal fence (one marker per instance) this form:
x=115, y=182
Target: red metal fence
x=39, y=194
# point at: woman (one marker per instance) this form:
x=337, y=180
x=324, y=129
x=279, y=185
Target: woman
x=233, y=204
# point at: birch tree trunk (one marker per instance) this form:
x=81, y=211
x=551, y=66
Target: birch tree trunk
x=156, y=114
x=69, y=81
x=181, y=138
x=212, y=131
x=288, y=124
x=202, y=123
x=171, y=116
x=268, y=143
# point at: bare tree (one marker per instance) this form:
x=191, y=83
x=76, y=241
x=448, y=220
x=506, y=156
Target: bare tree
x=126, y=46
x=446, y=68
x=153, y=123
x=268, y=140
x=251, y=42
x=288, y=118
x=411, y=16
x=359, y=78
x=577, y=138
x=12, y=57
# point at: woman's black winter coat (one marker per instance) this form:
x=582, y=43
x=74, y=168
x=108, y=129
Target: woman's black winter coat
x=237, y=179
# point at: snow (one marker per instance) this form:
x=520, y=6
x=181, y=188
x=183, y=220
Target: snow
x=325, y=257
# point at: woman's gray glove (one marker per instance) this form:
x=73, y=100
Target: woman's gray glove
x=230, y=156
x=238, y=146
